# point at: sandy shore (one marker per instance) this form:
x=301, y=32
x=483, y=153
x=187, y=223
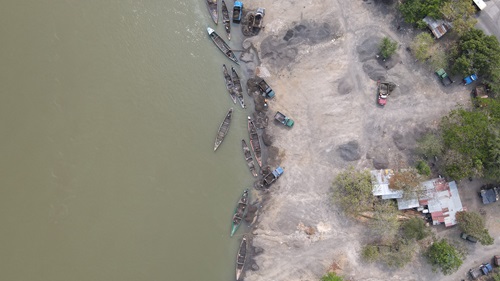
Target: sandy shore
x=320, y=59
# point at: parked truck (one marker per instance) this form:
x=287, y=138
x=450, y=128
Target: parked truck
x=445, y=79
x=483, y=269
x=283, y=119
x=237, y=11
x=266, y=89
x=258, y=18
x=469, y=79
x=273, y=176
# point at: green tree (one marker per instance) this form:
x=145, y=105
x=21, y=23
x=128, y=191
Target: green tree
x=421, y=46
x=472, y=223
x=461, y=14
x=496, y=277
x=444, y=256
x=415, y=228
x=352, y=191
x=423, y=168
x=414, y=11
x=387, y=47
x=478, y=53
x=331, y=276
x=370, y=253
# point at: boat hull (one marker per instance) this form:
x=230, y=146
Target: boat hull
x=222, y=45
x=225, y=20
x=229, y=83
x=213, y=8
x=238, y=90
x=223, y=129
x=255, y=141
x=239, y=211
x=241, y=257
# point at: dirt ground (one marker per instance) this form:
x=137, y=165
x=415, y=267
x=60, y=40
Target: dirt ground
x=320, y=58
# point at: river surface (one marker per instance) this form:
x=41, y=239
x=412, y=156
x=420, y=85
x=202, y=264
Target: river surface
x=108, y=115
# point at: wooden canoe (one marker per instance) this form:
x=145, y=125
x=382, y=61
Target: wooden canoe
x=229, y=83
x=223, y=129
x=255, y=141
x=248, y=157
x=237, y=87
x=241, y=257
x=213, y=8
x=222, y=45
x=239, y=211
x=225, y=20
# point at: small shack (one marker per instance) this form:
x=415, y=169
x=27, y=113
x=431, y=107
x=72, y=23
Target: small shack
x=437, y=27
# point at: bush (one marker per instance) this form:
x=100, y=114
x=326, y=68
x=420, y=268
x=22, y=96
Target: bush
x=423, y=168
x=444, y=256
x=331, y=276
x=387, y=47
x=430, y=145
x=415, y=229
x=385, y=222
x=370, y=253
x=421, y=46
x=472, y=223
x=352, y=190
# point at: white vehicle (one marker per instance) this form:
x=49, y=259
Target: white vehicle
x=479, y=4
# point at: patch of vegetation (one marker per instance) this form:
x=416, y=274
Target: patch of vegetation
x=385, y=222
x=496, y=277
x=415, y=228
x=331, y=276
x=423, y=168
x=461, y=14
x=408, y=181
x=430, y=145
x=414, y=11
x=444, y=256
x=352, y=191
x=397, y=254
x=387, y=47
x=421, y=46
x=472, y=223
x=370, y=253
x=478, y=53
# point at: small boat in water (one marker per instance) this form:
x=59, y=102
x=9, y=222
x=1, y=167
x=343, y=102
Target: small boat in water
x=255, y=141
x=213, y=7
x=222, y=45
x=237, y=87
x=229, y=83
x=225, y=20
x=239, y=212
x=248, y=158
x=241, y=257
x=223, y=129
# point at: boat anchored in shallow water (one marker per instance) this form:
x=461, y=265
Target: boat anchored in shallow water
x=255, y=141
x=213, y=7
x=223, y=129
x=248, y=158
x=229, y=83
x=225, y=20
x=222, y=45
x=238, y=90
x=241, y=257
x=239, y=212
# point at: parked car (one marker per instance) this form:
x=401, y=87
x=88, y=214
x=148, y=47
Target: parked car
x=469, y=79
x=469, y=238
x=445, y=79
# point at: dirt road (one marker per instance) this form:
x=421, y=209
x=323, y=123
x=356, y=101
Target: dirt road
x=321, y=57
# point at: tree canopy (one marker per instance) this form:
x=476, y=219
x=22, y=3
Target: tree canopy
x=472, y=223
x=444, y=256
x=388, y=47
x=352, y=191
x=414, y=11
x=461, y=14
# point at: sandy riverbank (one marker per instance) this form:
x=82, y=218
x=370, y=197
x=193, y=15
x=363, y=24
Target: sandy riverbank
x=320, y=58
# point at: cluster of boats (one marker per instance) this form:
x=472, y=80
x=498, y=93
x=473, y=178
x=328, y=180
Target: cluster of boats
x=234, y=88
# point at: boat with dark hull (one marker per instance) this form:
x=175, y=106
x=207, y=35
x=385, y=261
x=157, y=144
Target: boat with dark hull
x=223, y=129
x=222, y=45
x=239, y=212
x=225, y=20
x=248, y=158
x=255, y=141
x=241, y=257
x=238, y=90
x=229, y=83
x=213, y=9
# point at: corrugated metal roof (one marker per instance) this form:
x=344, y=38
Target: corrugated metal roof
x=438, y=27
x=380, y=180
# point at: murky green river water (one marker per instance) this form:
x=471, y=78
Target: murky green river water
x=108, y=114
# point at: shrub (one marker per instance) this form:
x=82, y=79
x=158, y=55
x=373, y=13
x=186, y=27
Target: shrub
x=370, y=253
x=415, y=228
x=444, y=256
x=388, y=47
x=430, y=145
x=331, y=276
x=423, y=168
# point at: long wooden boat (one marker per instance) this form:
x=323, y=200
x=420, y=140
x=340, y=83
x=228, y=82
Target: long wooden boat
x=225, y=20
x=248, y=158
x=229, y=83
x=222, y=45
x=239, y=211
x=237, y=87
x=241, y=257
x=255, y=141
x=223, y=129
x=213, y=8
